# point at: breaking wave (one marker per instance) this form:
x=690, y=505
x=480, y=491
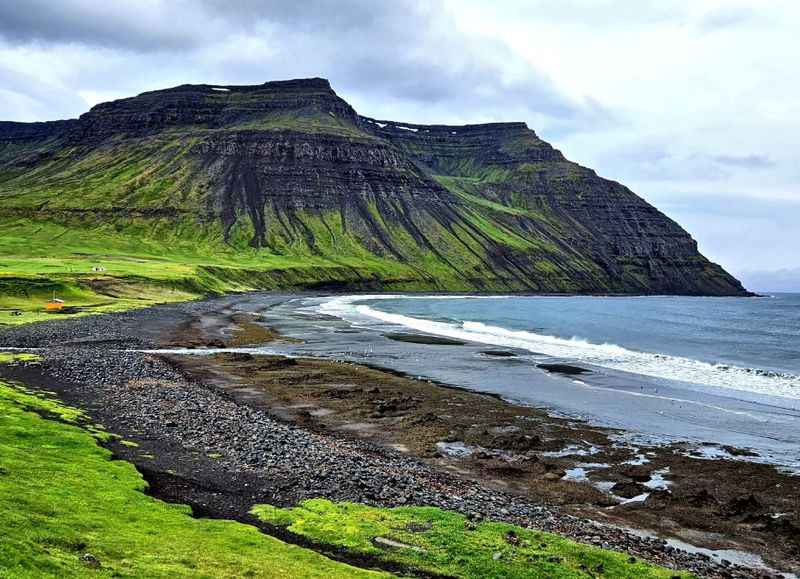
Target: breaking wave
x=609, y=356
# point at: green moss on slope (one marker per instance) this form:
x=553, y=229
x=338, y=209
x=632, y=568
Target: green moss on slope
x=283, y=186
x=445, y=543
x=62, y=497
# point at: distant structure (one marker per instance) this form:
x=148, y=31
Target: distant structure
x=54, y=304
x=98, y=268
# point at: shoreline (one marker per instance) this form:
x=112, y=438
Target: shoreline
x=85, y=371
x=610, y=383
x=111, y=307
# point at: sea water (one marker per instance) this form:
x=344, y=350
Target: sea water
x=746, y=344
x=716, y=370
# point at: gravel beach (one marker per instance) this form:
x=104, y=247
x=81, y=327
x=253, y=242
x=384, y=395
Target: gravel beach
x=198, y=444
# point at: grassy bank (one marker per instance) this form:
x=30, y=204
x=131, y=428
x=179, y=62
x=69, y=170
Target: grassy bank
x=68, y=510
x=444, y=543
x=103, y=268
x=97, y=270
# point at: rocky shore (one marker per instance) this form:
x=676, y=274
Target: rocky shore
x=221, y=450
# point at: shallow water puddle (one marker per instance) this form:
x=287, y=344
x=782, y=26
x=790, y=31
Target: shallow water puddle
x=571, y=450
x=580, y=473
x=359, y=427
x=455, y=449
x=735, y=556
x=638, y=461
x=577, y=474
x=657, y=481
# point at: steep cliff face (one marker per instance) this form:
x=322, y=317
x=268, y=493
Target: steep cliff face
x=289, y=169
x=533, y=185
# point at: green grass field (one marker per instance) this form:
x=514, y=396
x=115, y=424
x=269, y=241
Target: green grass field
x=40, y=259
x=68, y=510
x=130, y=262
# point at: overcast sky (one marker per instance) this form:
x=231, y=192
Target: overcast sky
x=694, y=104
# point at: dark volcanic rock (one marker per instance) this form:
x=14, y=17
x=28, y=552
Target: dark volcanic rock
x=702, y=498
x=639, y=473
x=628, y=489
x=424, y=339
x=747, y=506
x=563, y=369
x=212, y=106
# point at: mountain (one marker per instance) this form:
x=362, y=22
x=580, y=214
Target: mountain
x=284, y=184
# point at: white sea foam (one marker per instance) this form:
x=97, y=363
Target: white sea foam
x=609, y=356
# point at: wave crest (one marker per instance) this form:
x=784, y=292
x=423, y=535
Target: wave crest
x=610, y=356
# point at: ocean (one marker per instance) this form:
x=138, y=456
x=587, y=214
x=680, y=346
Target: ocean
x=712, y=372
x=751, y=345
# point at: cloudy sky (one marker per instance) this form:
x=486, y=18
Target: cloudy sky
x=694, y=104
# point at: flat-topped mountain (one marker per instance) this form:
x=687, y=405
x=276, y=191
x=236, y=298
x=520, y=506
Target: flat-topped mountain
x=292, y=187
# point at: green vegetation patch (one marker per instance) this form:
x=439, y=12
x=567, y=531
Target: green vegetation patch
x=68, y=510
x=440, y=542
x=18, y=357
x=39, y=403
x=308, y=122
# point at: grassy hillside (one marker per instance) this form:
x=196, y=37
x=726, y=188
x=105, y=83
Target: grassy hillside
x=199, y=189
x=140, y=212
x=137, y=213
x=40, y=258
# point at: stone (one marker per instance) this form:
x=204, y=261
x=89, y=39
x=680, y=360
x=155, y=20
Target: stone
x=628, y=490
x=90, y=560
